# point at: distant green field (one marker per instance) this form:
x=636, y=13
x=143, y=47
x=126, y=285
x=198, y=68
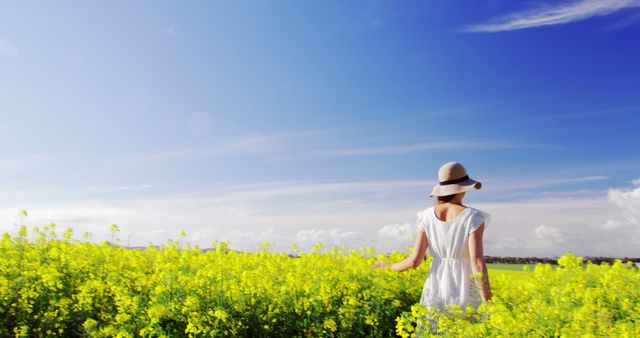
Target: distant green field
x=510, y=272
x=507, y=273
x=510, y=267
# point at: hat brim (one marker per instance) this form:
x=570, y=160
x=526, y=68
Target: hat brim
x=452, y=189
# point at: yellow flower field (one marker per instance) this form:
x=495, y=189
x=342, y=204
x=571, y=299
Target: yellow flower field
x=65, y=287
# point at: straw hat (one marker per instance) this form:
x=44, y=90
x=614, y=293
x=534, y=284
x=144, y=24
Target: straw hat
x=453, y=179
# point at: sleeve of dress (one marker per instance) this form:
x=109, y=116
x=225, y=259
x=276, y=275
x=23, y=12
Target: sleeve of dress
x=478, y=218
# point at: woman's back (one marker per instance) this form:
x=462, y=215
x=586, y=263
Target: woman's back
x=447, y=212
x=452, y=233
x=449, y=280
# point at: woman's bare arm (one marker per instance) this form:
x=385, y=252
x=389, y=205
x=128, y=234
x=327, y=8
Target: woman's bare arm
x=414, y=260
x=476, y=256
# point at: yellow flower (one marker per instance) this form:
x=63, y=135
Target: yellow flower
x=330, y=325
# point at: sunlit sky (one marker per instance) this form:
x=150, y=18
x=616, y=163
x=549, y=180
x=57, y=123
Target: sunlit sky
x=306, y=121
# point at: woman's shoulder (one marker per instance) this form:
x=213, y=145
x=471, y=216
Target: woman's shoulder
x=430, y=211
x=425, y=212
x=472, y=211
x=477, y=217
x=423, y=215
x=477, y=211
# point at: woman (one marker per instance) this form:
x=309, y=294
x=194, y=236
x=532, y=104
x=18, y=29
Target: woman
x=453, y=234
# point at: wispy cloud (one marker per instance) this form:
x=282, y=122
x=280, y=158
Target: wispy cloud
x=311, y=144
x=625, y=22
x=487, y=108
x=417, y=147
x=547, y=15
x=526, y=184
x=368, y=192
x=585, y=114
x=120, y=188
x=275, y=143
x=348, y=189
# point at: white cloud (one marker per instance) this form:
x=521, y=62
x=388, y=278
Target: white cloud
x=368, y=213
x=548, y=232
x=405, y=232
x=585, y=224
x=80, y=218
x=611, y=224
x=329, y=237
x=7, y=48
x=628, y=202
x=240, y=238
x=77, y=215
x=571, y=224
x=504, y=244
x=555, y=14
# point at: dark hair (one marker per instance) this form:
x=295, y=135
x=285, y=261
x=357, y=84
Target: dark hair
x=446, y=198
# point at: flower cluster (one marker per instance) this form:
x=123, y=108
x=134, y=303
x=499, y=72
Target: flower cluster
x=52, y=286
x=571, y=300
x=62, y=287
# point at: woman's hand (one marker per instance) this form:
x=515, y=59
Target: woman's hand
x=411, y=262
x=381, y=264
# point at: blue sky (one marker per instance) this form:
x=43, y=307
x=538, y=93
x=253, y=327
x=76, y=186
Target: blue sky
x=322, y=120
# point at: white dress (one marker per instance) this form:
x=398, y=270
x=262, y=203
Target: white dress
x=449, y=279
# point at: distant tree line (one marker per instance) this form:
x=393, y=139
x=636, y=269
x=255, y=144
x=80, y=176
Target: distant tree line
x=545, y=260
